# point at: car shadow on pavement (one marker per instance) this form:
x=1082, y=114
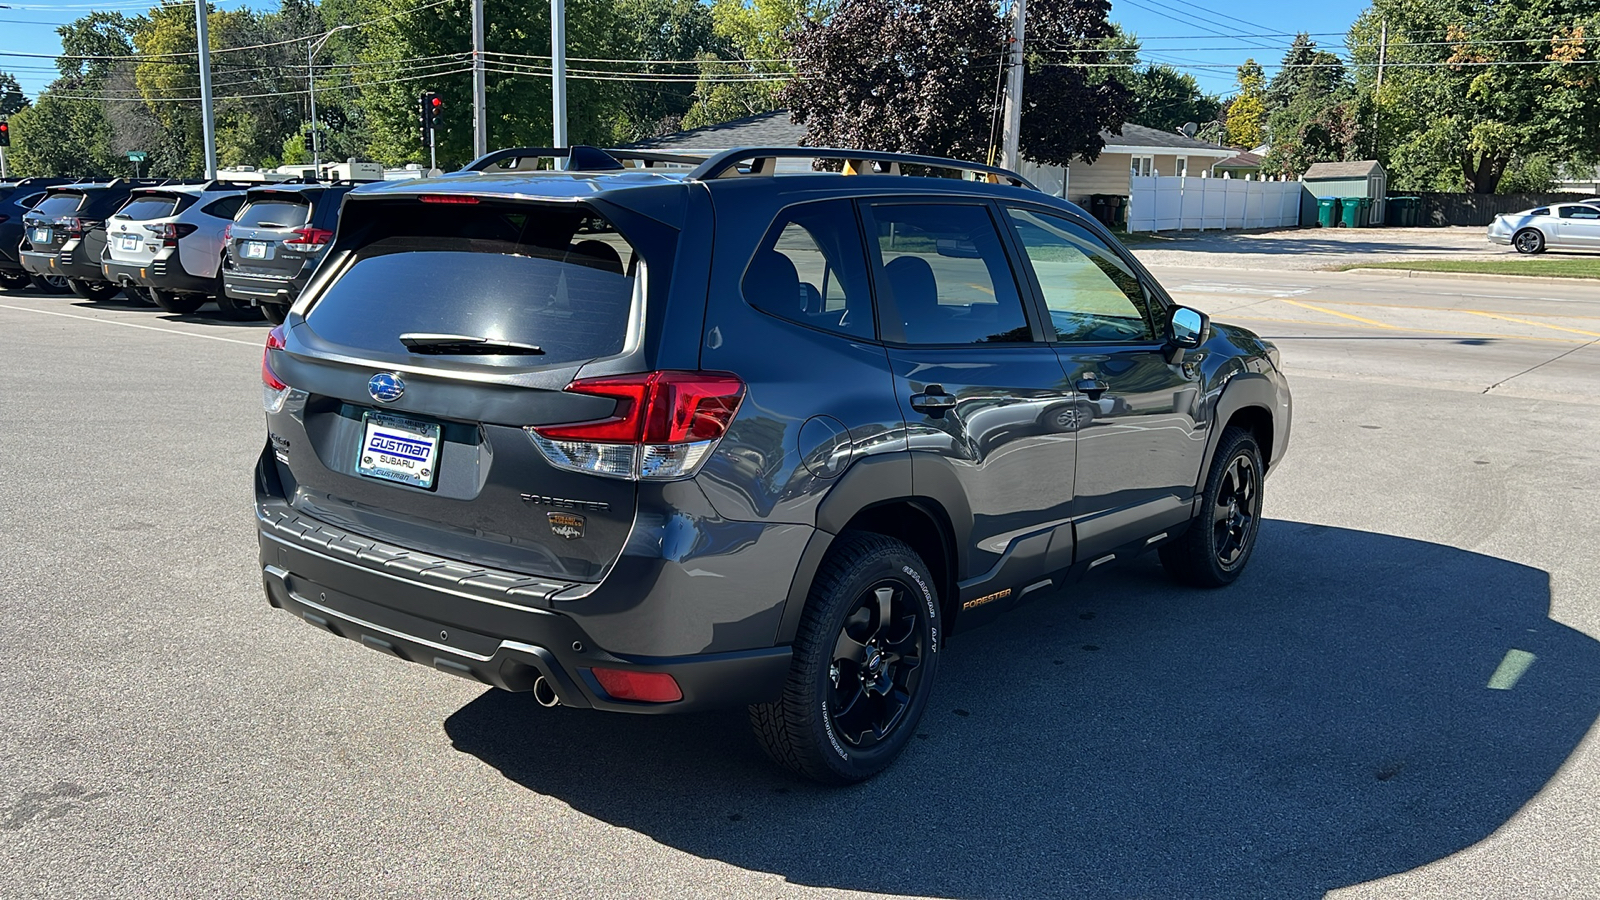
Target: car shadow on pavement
x=1311, y=240
x=1324, y=722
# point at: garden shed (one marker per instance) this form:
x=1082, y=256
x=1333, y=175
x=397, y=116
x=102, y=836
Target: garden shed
x=1364, y=178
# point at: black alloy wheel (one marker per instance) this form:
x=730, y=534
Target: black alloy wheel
x=51, y=284
x=1219, y=541
x=865, y=657
x=877, y=664
x=1529, y=240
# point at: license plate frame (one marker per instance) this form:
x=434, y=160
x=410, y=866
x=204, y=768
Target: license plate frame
x=40, y=236
x=406, y=451
x=129, y=243
x=255, y=250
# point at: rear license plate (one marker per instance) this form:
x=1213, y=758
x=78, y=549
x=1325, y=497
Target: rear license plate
x=395, y=448
x=255, y=249
x=39, y=236
x=128, y=243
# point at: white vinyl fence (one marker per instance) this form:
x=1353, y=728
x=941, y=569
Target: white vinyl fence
x=1171, y=203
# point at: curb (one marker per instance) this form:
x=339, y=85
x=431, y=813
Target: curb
x=1474, y=276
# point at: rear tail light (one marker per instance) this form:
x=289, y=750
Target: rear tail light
x=75, y=226
x=642, y=687
x=664, y=426
x=171, y=232
x=273, y=390
x=227, y=233
x=307, y=238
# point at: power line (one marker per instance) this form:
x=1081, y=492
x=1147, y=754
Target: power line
x=291, y=93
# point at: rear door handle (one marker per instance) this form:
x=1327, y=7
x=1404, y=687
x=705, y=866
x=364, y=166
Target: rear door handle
x=933, y=401
x=1092, y=387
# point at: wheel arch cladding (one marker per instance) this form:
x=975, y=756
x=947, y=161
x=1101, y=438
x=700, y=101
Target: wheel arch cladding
x=1246, y=391
x=1258, y=421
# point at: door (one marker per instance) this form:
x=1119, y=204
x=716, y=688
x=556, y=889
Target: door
x=1579, y=226
x=990, y=417
x=1140, y=439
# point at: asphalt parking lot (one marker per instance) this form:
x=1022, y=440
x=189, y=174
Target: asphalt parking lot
x=1325, y=727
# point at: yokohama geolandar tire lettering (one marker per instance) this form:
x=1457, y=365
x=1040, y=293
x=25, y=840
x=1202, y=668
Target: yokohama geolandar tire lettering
x=865, y=658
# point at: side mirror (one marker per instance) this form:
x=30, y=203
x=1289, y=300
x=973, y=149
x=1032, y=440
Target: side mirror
x=1186, y=329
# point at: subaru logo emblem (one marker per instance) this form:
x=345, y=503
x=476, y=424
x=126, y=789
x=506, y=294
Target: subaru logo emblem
x=386, y=387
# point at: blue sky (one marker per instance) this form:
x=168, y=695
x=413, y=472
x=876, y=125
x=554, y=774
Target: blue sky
x=1182, y=34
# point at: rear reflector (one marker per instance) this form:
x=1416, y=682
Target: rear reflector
x=448, y=198
x=663, y=426
x=642, y=687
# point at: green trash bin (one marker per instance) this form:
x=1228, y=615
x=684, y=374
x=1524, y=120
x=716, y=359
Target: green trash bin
x=1353, y=211
x=1327, y=211
x=1119, y=211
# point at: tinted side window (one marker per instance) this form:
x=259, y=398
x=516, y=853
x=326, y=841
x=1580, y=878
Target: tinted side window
x=1091, y=295
x=1579, y=212
x=810, y=269
x=942, y=276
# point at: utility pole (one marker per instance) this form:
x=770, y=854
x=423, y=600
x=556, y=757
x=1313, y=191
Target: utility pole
x=311, y=88
x=558, y=73
x=480, y=90
x=207, y=113
x=1383, y=53
x=1011, y=129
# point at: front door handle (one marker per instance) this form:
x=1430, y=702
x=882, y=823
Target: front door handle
x=1092, y=387
x=933, y=401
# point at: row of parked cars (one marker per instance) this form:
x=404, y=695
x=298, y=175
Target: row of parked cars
x=248, y=247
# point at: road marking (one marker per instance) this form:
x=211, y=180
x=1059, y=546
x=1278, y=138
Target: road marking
x=209, y=337
x=1526, y=322
x=1450, y=309
x=1208, y=287
x=1454, y=334
x=1511, y=668
x=1373, y=322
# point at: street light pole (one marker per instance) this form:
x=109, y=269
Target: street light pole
x=311, y=88
x=207, y=113
x=558, y=73
x=480, y=101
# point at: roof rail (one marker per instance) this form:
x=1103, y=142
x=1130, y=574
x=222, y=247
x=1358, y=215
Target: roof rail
x=763, y=161
x=581, y=158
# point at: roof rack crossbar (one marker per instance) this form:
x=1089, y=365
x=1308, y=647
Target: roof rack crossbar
x=762, y=161
x=583, y=158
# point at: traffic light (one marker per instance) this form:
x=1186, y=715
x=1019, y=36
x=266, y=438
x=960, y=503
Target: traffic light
x=431, y=106
x=5, y=134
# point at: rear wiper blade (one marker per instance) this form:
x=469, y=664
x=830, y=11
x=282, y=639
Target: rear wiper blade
x=465, y=345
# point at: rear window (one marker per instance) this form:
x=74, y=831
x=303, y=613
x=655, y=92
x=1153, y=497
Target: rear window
x=151, y=206
x=559, y=278
x=278, y=212
x=59, y=204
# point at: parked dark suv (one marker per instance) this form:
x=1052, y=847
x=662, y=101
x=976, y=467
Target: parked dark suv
x=64, y=234
x=276, y=241
x=17, y=196
x=657, y=442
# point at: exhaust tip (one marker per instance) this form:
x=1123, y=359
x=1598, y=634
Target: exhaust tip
x=544, y=694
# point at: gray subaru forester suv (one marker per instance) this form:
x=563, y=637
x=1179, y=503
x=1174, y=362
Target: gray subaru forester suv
x=655, y=441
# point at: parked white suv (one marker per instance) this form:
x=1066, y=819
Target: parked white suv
x=169, y=241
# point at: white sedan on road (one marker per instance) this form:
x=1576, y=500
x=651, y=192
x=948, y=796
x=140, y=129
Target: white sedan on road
x=1563, y=226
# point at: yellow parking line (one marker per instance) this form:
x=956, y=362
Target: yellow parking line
x=1372, y=322
x=1490, y=315
x=1449, y=309
x=1455, y=334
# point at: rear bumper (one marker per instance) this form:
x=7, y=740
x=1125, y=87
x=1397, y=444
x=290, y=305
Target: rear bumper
x=162, y=274
x=325, y=591
x=257, y=289
x=63, y=263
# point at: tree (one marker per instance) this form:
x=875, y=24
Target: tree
x=1166, y=99
x=754, y=59
x=920, y=76
x=1476, y=90
x=1247, y=112
x=11, y=97
x=1310, y=114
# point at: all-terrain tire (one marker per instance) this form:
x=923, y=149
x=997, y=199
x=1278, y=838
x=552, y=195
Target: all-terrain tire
x=1218, y=544
x=826, y=726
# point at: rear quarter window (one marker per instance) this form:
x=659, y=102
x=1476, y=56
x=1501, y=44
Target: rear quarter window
x=561, y=279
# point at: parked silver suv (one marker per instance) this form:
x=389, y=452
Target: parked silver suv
x=169, y=241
